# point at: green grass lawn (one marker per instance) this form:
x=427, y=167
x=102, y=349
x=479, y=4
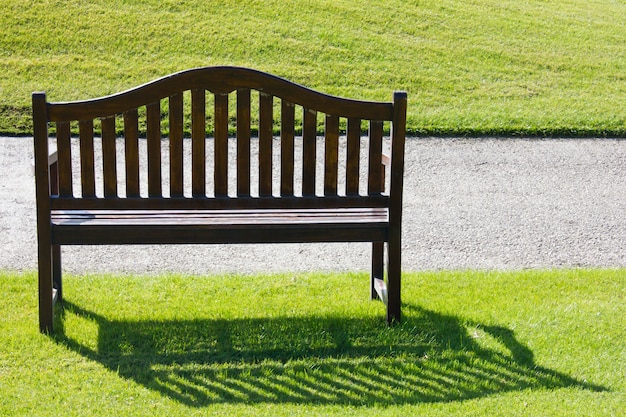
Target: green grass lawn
x=471, y=343
x=496, y=67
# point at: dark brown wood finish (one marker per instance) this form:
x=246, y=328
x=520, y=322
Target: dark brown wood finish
x=218, y=203
x=331, y=155
x=287, y=116
x=131, y=152
x=87, y=170
x=266, y=121
x=153, y=124
x=220, y=176
x=198, y=143
x=338, y=215
x=176, y=145
x=109, y=158
x=354, y=157
x=243, y=142
x=375, y=186
x=309, y=152
x=394, y=273
x=44, y=231
x=64, y=159
x=223, y=80
x=376, y=181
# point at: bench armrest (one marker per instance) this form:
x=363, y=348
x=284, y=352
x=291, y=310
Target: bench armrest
x=53, y=157
x=53, y=166
x=385, y=159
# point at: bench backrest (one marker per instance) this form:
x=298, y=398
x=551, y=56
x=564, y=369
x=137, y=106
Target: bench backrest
x=110, y=165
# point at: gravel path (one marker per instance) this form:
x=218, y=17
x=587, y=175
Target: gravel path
x=469, y=203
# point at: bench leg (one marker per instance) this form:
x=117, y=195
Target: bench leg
x=57, y=280
x=46, y=289
x=393, y=281
x=378, y=269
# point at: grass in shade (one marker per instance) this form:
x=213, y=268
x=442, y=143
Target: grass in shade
x=492, y=67
x=544, y=343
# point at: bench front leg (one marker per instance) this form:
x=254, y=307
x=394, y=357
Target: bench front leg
x=57, y=280
x=394, y=276
x=46, y=290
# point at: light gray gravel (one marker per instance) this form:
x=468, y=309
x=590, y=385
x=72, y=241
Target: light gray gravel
x=501, y=204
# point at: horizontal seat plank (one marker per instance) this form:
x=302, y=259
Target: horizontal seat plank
x=210, y=217
x=208, y=203
x=219, y=226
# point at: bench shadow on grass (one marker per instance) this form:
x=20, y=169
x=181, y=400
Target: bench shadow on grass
x=315, y=360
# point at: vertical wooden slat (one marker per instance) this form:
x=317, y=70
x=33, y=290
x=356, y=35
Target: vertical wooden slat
x=131, y=152
x=153, y=136
x=198, y=143
x=87, y=173
x=265, y=144
x=353, y=156
x=64, y=154
x=243, y=143
x=287, y=115
x=176, y=145
x=220, y=173
x=309, y=151
x=331, y=155
x=375, y=170
x=109, y=160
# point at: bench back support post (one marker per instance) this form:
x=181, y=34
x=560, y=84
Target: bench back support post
x=42, y=193
x=394, y=274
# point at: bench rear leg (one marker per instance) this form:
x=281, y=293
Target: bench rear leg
x=378, y=267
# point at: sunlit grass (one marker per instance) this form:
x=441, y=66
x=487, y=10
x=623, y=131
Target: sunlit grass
x=471, y=343
x=490, y=67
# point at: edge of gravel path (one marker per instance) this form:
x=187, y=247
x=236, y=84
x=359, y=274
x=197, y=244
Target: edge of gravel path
x=487, y=204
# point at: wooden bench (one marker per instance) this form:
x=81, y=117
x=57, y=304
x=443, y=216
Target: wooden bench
x=124, y=173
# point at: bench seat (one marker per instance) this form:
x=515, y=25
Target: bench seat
x=84, y=227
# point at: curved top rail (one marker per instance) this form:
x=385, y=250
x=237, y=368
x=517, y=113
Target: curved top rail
x=219, y=80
